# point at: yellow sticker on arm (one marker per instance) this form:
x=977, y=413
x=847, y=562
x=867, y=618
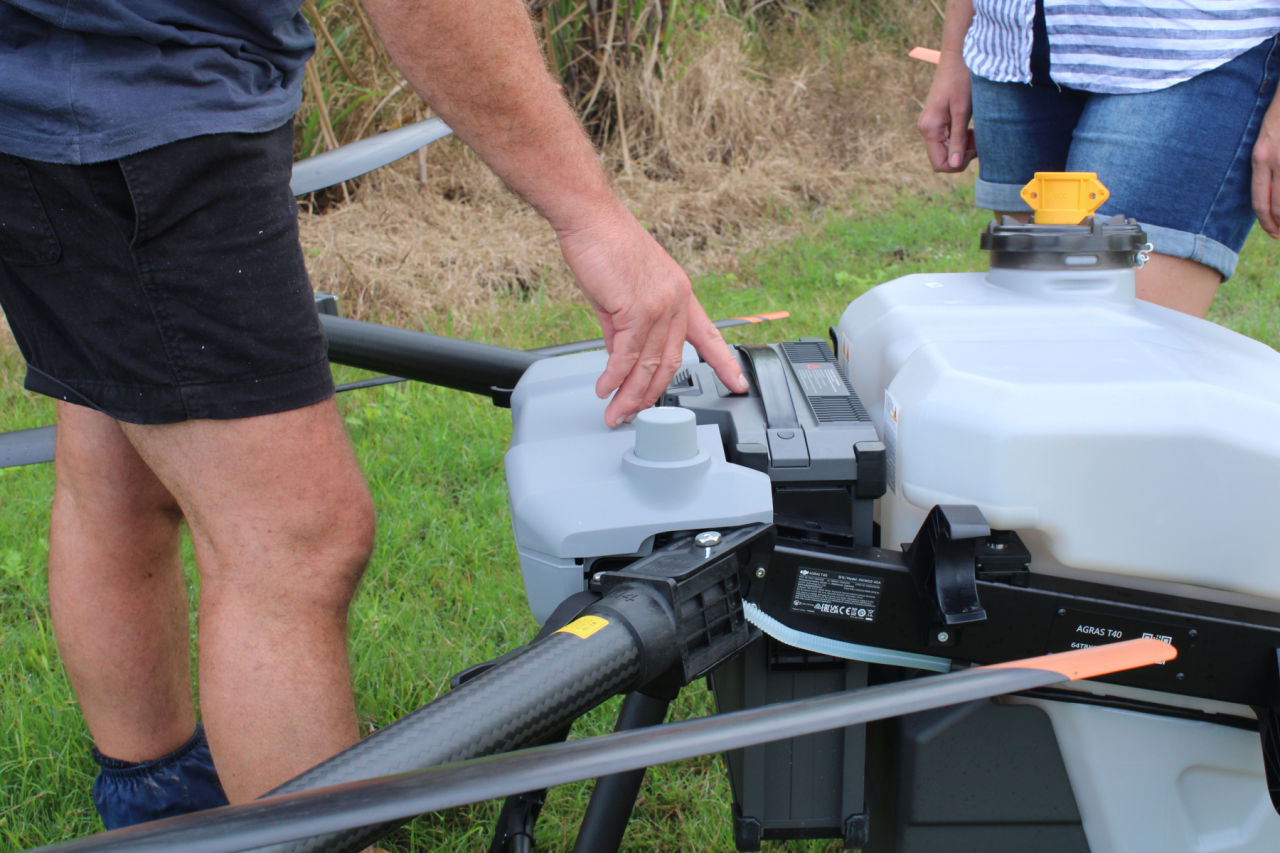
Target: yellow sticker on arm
x=584, y=626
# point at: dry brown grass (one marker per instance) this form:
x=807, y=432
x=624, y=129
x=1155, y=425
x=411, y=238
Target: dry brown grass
x=717, y=157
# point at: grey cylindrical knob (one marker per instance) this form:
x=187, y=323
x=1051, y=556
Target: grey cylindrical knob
x=666, y=434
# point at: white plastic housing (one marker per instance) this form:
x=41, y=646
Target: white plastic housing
x=1124, y=442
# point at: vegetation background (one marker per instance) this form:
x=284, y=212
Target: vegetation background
x=726, y=125
x=770, y=145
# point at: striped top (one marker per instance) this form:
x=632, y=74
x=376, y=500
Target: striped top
x=1117, y=45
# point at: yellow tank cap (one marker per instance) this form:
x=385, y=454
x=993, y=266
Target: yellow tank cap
x=1063, y=198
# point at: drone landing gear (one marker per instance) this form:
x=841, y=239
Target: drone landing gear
x=612, y=800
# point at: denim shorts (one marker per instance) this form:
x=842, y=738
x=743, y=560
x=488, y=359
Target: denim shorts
x=1177, y=160
x=165, y=286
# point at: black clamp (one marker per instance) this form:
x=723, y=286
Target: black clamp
x=700, y=581
x=942, y=560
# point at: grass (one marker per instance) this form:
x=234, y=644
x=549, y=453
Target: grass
x=443, y=589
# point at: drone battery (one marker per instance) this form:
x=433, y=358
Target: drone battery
x=935, y=783
x=804, y=787
x=801, y=424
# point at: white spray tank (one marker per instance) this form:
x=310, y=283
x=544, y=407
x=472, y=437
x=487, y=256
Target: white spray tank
x=1125, y=443
x=1115, y=436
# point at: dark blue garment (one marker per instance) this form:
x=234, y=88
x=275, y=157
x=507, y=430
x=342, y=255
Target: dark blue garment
x=83, y=81
x=181, y=782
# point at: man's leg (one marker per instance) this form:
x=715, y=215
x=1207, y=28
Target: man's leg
x=179, y=296
x=282, y=524
x=116, y=592
x=119, y=606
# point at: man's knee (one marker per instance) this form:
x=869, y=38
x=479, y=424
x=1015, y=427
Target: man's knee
x=319, y=552
x=351, y=538
x=278, y=508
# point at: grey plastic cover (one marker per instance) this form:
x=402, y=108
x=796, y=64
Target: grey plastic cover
x=579, y=490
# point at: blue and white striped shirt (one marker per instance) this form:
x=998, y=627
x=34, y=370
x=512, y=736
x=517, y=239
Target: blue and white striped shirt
x=1117, y=45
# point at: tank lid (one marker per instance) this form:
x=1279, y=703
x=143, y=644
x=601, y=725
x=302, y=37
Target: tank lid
x=1096, y=243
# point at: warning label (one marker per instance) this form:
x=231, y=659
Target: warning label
x=829, y=593
x=821, y=380
x=890, y=441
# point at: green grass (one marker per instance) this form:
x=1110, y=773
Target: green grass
x=1250, y=301
x=443, y=589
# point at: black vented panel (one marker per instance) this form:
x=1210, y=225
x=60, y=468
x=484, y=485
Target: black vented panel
x=811, y=352
x=829, y=409
x=810, y=359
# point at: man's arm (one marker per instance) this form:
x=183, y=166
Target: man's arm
x=478, y=64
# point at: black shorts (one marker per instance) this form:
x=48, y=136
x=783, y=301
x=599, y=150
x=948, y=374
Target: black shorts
x=165, y=286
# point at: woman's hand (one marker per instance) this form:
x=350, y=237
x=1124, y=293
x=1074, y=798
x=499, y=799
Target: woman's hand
x=944, y=123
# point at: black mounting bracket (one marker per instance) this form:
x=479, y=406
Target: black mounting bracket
x=942, y=560
x=701, y=581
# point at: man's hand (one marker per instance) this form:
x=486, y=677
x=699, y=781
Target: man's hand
x=647, y=311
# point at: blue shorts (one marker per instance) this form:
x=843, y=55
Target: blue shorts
x=1177, y=160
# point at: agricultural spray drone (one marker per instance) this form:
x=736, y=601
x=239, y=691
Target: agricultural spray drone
x=925, y=565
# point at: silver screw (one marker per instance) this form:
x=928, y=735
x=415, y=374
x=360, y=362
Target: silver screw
x=944, y=637
x=760, y=571
x=596, y=577
x=707, y=538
